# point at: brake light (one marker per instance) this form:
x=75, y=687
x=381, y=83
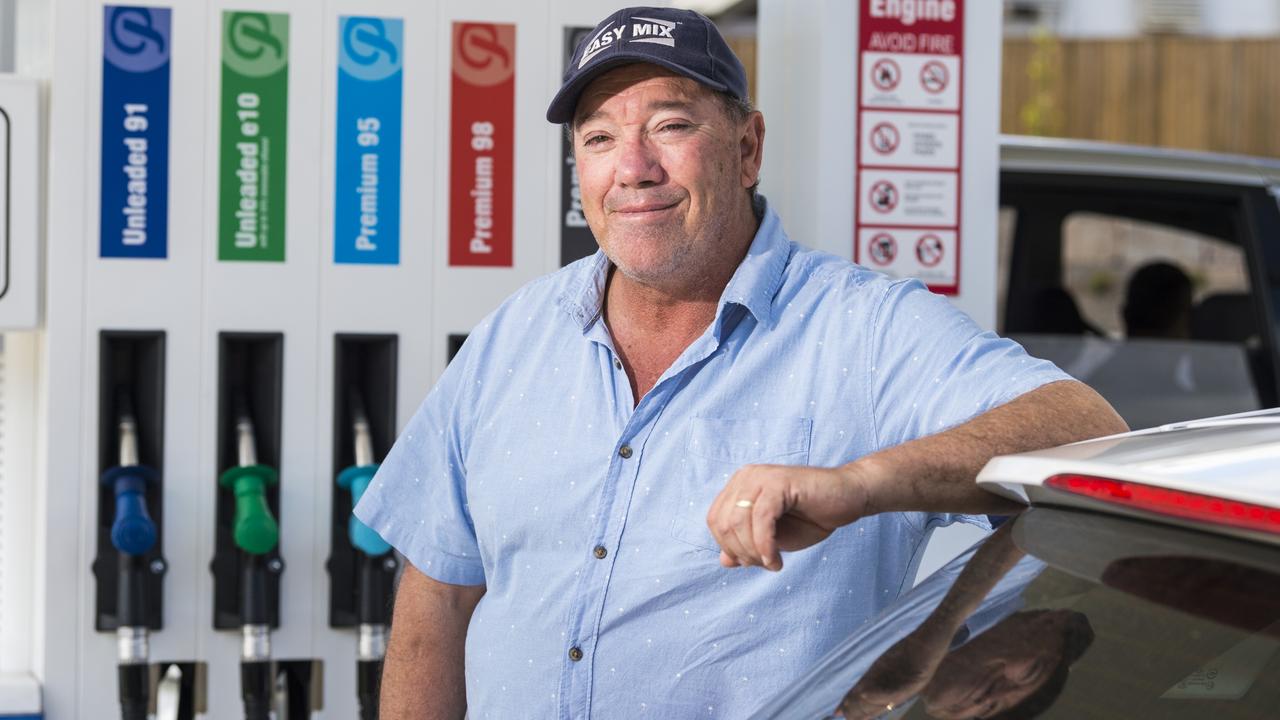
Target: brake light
x=1173, y=503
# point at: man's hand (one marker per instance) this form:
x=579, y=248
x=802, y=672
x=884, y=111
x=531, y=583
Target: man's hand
x=768, y=508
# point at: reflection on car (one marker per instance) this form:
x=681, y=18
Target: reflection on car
x=1143, y=582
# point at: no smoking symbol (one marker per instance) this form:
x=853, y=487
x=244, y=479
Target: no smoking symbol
x=929, y=250
x=883, y=249
x=886, y=74
x=934, y=76
x=884, y=138
x=884, y=196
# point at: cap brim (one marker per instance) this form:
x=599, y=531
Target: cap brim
x=565, y=102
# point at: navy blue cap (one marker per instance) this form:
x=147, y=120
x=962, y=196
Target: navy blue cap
x=682, y=41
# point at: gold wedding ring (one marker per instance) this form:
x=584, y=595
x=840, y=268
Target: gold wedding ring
x=743, y=503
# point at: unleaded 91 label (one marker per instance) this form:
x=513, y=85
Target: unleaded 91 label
x=254, y=138
x=134, y=191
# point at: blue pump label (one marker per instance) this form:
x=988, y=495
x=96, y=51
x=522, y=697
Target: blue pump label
x=135, y=132
x=366, y=222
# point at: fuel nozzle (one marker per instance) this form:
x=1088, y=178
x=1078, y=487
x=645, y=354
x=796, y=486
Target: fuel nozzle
x=373, y=561
x=254, y=530
x=256, y=533
x=133, y=535
x=133, y=532
x=357, y=478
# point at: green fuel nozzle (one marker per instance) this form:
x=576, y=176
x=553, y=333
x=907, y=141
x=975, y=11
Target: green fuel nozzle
x=254, y=529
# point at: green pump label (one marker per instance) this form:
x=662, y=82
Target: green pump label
x=254, y=138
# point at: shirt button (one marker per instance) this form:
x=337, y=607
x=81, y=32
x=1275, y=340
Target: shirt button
x=575, y=654
x=625, y=451
x=600, y=552
x=617, y=364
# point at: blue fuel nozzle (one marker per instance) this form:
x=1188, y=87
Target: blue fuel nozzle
x=356, y=479
x=133, y=532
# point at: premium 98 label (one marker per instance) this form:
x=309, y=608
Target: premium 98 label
x=481, y=152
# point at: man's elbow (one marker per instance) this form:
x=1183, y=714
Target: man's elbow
x=1092, y=416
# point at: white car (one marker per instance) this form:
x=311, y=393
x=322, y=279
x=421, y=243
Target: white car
x=1143, y=582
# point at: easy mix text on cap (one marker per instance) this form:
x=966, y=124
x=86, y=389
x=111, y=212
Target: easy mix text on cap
x=682, y=41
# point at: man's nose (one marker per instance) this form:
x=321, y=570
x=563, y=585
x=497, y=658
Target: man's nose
x=638, y=163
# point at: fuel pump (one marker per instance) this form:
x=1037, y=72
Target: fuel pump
x=256, y=534
x=375, y=567
x=133, y=534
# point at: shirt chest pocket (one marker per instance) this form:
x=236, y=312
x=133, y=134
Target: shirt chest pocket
x=716, y=448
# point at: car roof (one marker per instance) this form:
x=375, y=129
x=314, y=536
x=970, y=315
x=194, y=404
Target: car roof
x=1089, y=157
x=1232, y=457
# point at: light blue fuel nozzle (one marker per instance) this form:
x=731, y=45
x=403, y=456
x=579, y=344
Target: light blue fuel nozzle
x=357, y=478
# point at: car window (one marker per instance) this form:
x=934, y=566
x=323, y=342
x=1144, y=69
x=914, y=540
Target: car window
x=1101, y=254
x=1140, y=289
x=1124, y=620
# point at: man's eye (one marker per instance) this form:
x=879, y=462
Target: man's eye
x=675, y=127
x=595, y=140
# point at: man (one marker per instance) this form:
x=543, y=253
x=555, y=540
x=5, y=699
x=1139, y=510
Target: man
x=702, y=388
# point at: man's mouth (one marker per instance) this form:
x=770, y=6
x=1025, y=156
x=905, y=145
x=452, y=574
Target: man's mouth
x=641, y=209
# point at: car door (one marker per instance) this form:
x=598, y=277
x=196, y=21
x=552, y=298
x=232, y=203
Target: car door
x=1159, y=293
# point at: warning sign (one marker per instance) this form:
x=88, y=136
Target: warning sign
x=883, y=249
x=884, y=138
x=910, y=140
x=925, y=253
x=934, y=77
x=929, y=250
x=883, y=196
x=910, y=130
x=909, y=198
x=885, y=75
x=930, y=84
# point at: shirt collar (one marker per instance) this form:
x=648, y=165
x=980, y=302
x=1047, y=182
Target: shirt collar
x=753, y=286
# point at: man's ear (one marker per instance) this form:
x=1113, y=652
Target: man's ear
x=751, y=148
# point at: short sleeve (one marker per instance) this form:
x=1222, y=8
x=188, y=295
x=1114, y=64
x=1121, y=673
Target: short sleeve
x=417, y=500
x=934, y=368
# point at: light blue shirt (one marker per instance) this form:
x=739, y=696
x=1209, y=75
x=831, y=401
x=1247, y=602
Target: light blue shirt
x=529, y=469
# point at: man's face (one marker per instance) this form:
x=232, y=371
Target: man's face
x=664, y=171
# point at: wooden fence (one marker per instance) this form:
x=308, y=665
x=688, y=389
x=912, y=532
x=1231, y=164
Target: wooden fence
x=1171, y=91
x=1196, y=93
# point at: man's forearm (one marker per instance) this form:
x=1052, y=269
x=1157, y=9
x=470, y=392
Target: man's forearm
x=935, y=473
x=422, y=676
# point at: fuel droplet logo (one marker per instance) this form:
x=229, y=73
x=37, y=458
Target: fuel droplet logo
x=255, y=44
x=137, y=39
x=483, y=53
x=370, y=47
